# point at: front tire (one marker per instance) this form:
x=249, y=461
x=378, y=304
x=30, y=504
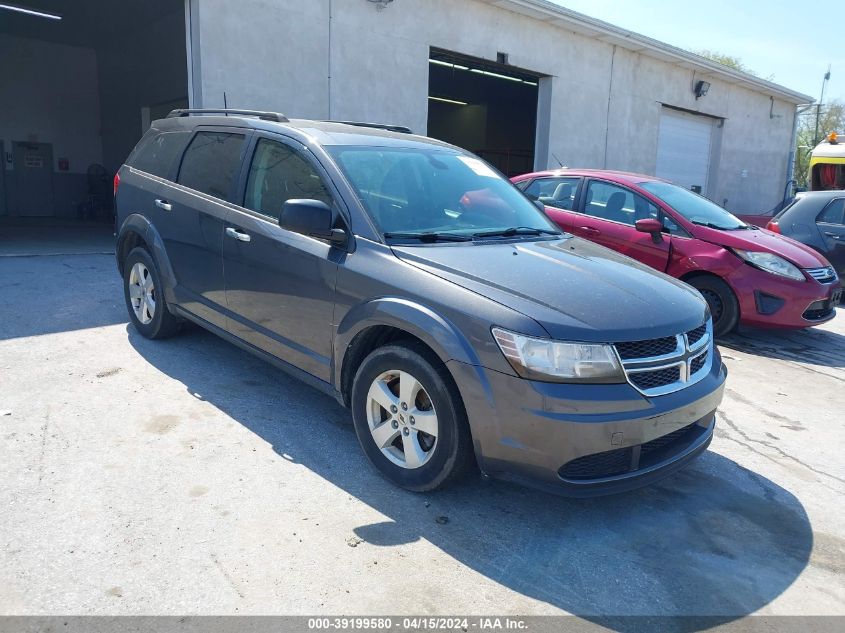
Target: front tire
x=722, y=302
x=409, y=417
x=144, y=296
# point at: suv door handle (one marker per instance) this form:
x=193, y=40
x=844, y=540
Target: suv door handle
x=163, y=204
x=835, y=236
x=238, y=235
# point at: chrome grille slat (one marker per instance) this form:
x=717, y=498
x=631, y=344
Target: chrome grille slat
x=824, y=275
x=688, y=361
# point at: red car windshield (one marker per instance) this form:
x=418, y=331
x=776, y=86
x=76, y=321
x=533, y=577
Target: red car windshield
x=695, y=208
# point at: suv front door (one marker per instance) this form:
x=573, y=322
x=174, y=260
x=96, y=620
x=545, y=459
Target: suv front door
x=280, y=285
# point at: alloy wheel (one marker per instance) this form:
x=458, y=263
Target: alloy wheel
x=142, y=293
x=402, y=419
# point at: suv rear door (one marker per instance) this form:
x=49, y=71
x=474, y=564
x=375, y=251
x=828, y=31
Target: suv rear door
x=193, y=211
x=280, y=285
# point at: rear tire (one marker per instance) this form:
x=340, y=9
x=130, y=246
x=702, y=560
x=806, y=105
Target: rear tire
x=144, y=294
x=409, y=417
x=723, y=304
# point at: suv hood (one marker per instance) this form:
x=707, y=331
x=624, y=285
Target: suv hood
x=762, y=240
x=575, y=289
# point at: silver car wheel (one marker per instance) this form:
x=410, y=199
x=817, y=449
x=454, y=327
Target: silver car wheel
x=402, y=419
x=142, y=293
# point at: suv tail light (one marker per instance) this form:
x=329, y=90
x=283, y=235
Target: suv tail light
x=116, y=183
x=773, y=227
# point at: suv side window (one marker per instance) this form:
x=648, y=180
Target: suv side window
x=554, y=192
x=612, y=202
x=211, y=163
x=833, y=213
x=158, y=152
x=278, y=174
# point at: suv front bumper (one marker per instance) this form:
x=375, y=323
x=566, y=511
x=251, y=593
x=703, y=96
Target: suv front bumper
x=585, y=440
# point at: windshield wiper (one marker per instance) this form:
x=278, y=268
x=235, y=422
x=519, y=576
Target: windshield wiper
x=429, y=236
x=515, y=230
x=718, y=227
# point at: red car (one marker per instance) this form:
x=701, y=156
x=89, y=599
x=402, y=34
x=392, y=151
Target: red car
x=746, y=274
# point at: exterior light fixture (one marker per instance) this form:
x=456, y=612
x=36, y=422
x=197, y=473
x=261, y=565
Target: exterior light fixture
x=701, y=89
x=38, y=14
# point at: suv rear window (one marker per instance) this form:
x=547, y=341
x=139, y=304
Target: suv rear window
x=157, y=152
x=211, y=162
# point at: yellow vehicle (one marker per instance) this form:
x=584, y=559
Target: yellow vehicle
x=827, y=165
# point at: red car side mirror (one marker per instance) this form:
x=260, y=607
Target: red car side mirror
x=650, y=225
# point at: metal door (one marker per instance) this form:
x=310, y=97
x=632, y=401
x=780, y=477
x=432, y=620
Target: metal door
x=30, y=183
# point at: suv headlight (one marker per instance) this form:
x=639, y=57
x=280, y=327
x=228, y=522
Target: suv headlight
x=771, y=263
x=558, y=361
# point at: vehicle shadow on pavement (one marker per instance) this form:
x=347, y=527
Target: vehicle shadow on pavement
x=814, y=345
x=716, y=539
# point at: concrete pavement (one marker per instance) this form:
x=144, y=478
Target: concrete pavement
x=187, y=477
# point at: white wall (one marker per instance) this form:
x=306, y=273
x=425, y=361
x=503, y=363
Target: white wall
x=605, y=100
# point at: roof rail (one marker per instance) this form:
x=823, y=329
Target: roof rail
x=378, y=126
x=265, y=116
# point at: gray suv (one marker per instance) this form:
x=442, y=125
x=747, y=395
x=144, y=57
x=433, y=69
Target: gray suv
x=424, y=291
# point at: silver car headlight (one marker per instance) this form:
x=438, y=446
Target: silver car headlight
x=771, y=263
x=559, y=361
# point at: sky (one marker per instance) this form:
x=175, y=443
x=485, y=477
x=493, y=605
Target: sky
x=790, y=43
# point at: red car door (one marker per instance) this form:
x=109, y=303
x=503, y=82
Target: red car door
x=608, y=213
x=558, y=194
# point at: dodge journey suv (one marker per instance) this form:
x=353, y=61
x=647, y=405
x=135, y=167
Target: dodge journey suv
x=424, y=291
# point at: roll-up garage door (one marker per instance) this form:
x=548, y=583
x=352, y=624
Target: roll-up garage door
x=683, y=149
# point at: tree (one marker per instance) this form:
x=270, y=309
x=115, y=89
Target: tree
x=726, y=60
x=831, y=119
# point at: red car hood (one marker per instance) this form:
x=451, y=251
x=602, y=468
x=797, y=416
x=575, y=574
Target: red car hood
x=762, y=240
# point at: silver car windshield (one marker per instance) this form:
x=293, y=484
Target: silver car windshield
x=438, y=193
x=695, y=208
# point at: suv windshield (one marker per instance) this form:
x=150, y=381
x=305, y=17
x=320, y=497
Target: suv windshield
x=695, y=208
x=436, y=194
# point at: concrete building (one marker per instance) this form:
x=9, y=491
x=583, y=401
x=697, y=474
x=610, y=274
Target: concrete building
x=524, y=83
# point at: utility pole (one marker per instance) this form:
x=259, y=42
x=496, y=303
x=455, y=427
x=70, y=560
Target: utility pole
x=816, y=139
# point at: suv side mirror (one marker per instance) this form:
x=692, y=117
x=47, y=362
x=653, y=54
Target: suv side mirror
x=313, y=218
x=650, y=225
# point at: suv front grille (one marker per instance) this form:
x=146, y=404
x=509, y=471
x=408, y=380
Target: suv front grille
x=644, y=349
x=659, y=378
x=824, y=275
x=659, y=366
x=694, y=336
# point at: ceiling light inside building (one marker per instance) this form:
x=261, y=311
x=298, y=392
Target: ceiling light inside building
x=452, y=101
x=33, y=12
x=447, y=64
x=479, y=71
x=496, y=75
